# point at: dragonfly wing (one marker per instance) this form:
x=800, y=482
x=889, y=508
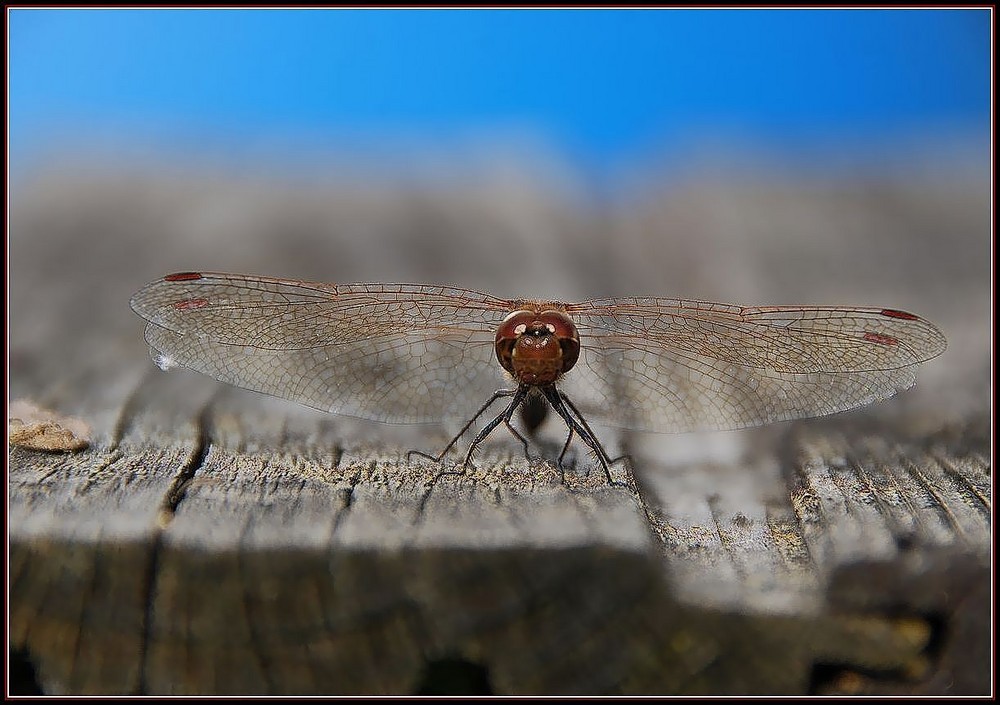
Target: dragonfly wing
x=398, y=353
x=675, y=365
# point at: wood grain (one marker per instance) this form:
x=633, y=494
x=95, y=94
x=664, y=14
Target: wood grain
x=213, y=541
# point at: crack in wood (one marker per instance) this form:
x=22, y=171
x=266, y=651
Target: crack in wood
x=168, y=508
x=789, y=541
x=149, y=592
x=336, y=456
x=257, y=645
x=981, y=499
x=429, y=487
x=56, y=469
x=347, y=501
x=940, y=505
x=75, y=667
x=110, y=458
x=894, y=525
x=658, y=527
x=182, y=480
x=807, y=506
x=724, y=540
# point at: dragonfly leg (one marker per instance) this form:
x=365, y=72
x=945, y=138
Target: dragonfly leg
x=499, y=394
x=578, y=425
x=516, y=434
x=559, y=462
x=583, y=422
x=504, y=417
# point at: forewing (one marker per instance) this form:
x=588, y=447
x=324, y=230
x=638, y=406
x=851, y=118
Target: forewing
x=389, y=352
x=676, y=365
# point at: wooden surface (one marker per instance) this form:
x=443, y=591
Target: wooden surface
x=213, y=541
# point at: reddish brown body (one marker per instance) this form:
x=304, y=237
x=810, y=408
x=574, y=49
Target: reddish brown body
x=537, y=346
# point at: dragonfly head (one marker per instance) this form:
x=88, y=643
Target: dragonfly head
x=537, y=347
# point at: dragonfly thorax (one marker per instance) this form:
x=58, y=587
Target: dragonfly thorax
x=537, y=347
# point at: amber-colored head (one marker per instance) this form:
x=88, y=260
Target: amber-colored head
x=537, y=347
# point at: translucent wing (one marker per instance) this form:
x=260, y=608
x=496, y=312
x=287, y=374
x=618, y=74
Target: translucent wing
x=411, y=353
x=389, y=352
x=677, y=365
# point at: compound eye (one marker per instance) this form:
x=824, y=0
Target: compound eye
x=564, y=330
x=515, y=325
x=511, y=328
x=559, y=324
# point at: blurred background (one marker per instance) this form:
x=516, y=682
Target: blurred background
x=750, y=156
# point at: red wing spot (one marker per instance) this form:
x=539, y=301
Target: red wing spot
x=182, y=277
x=881, y=338
x=189, y=304
x=893, y=313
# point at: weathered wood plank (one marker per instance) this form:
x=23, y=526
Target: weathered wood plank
x=268, y=577
x=215, y=541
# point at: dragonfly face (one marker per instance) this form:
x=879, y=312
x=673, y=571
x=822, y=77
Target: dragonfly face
x=537, y=347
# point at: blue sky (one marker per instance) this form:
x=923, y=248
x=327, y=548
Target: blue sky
x=598, y=85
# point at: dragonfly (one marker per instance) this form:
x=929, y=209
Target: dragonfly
x=415, y=353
